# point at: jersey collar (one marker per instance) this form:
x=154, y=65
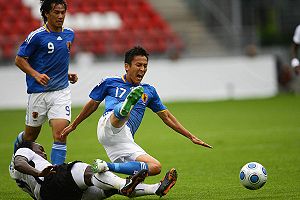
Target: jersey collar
x=125, y=80
x=49, y=31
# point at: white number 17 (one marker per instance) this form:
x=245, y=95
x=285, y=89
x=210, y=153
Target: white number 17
x=120, y=92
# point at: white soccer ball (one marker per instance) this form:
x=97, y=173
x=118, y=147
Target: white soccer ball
x=253, y=176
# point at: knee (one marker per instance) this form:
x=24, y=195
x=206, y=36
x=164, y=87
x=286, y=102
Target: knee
x=154, y=168
x=88, y=174
x=58, y=138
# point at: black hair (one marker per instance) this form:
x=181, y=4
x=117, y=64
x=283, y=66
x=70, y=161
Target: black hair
x=46, y=6
x=26, y=144
x=135, y=51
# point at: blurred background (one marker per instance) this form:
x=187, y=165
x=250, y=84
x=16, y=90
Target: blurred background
x=226, y=44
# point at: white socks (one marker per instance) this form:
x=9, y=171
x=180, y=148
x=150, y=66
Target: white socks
x=145, y=189
x=108, y=180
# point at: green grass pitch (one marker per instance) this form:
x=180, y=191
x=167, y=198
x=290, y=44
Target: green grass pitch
x=262, y=130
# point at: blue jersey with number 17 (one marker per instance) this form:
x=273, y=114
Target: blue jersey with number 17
x=115, y=89
x=48, y=53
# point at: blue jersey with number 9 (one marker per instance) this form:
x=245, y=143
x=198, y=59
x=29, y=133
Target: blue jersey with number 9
x=48, y=53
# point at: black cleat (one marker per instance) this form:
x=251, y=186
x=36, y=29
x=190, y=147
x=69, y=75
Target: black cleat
x=167, y=182
x=133, y=181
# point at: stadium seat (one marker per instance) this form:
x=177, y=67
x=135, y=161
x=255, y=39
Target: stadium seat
x=8, y=50
x=141, y=25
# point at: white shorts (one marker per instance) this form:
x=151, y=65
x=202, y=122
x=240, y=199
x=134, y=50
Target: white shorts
x=51, y=105
x=117, y=142
x=77, y=172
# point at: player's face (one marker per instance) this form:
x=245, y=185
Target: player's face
x=38, y=149
x=136, y=70
x=56, y=16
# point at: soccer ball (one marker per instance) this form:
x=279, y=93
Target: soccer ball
x=253, y=176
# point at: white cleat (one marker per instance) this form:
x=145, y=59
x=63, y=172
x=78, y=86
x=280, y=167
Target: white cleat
x=99, y=166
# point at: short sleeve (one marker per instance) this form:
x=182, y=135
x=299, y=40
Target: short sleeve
x=156, y=104
x=29, y=46
x=25, y=152
x=73, y=36
x=99, y=92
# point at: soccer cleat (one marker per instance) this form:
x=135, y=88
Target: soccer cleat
x=133, y=181
x=167, y=182
x=18, y=141
x=131, y=99
x=99, y=166
x=12, y=168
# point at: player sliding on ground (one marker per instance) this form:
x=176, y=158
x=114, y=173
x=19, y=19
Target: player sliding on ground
x=126, y=99
x=74, y=181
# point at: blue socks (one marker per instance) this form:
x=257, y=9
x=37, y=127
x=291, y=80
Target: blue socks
x=117, y=109
x=129, y=168
x=58, y=153
x=18, y=141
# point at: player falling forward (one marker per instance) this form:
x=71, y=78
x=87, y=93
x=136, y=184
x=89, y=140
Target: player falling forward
x=126, y=99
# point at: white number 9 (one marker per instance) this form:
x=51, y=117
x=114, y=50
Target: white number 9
x=50, y=47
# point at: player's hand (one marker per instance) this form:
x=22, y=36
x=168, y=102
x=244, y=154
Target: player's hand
x=196, y=140
x=73, y=78
x=66, y=131
x=42, y=79
x=47, y=171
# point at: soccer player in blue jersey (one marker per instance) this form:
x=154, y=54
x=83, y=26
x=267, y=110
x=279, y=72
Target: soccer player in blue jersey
x=44, y=56
x=126, y=99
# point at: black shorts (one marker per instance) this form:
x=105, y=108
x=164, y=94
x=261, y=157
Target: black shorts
x=61, y=185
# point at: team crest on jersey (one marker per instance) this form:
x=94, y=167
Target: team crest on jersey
x=69, y=44
x=144, y=97
x=35, y=115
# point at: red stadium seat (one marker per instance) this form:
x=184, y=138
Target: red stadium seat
x=141, y=25
x=8, y=50
x=98, y=48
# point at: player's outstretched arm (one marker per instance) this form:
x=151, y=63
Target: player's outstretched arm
x=173, y=123
x=86, y=111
